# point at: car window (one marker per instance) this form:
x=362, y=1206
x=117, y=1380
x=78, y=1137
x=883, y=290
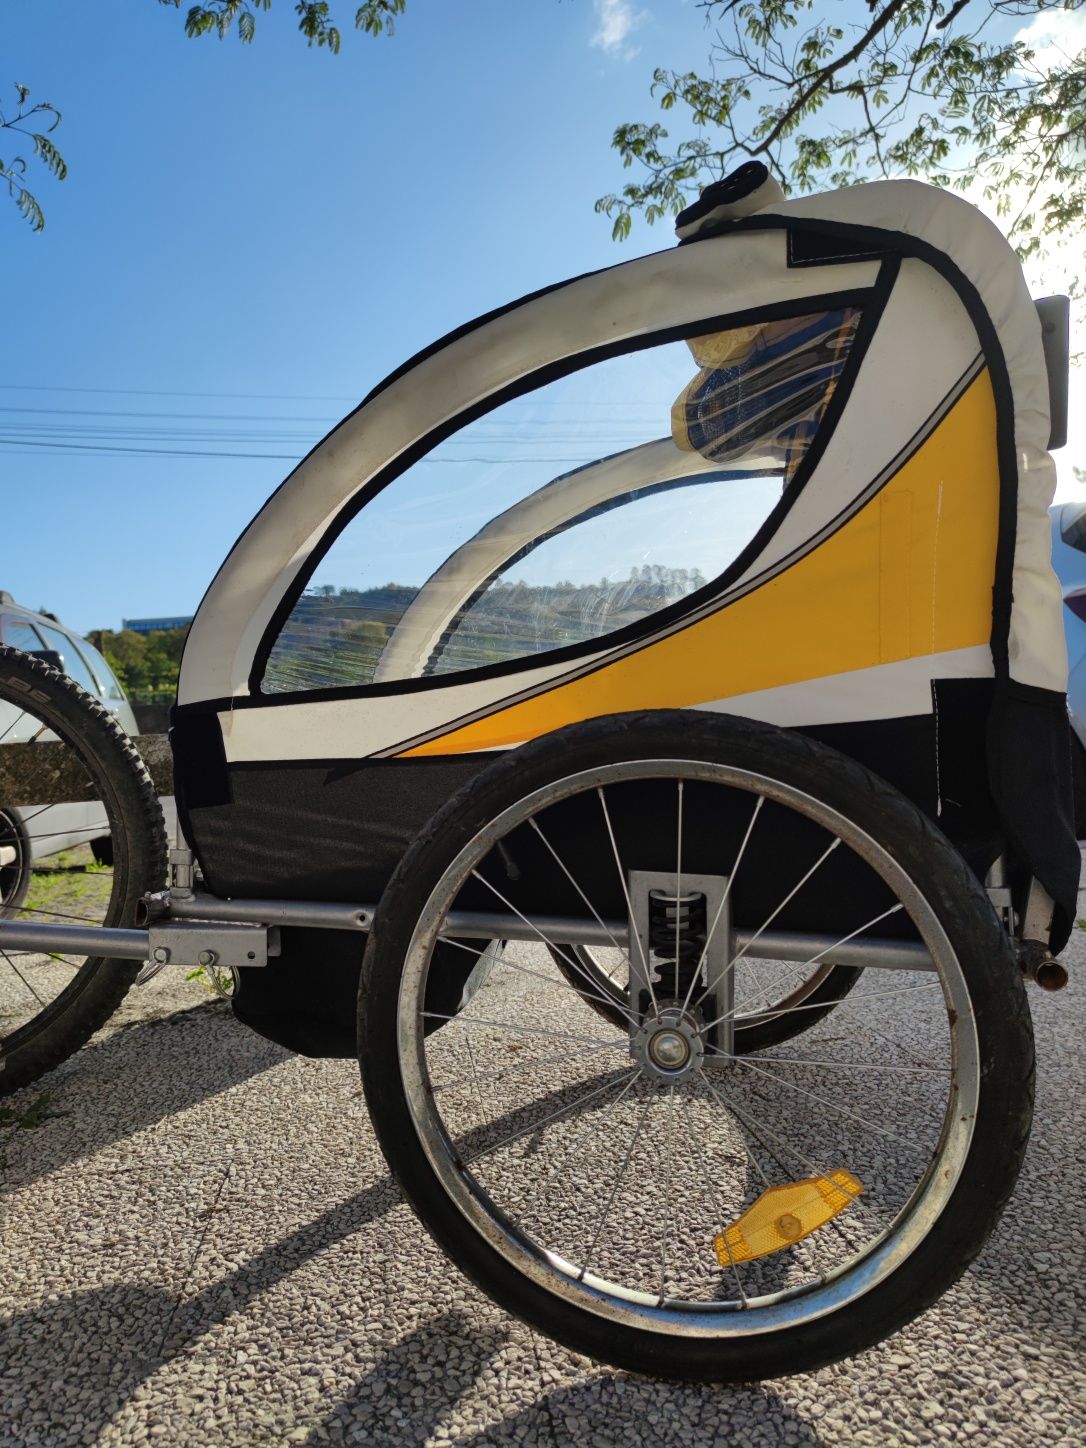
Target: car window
x=579, y=509
x=20, y=635
x=74, y=664
x=106, y=677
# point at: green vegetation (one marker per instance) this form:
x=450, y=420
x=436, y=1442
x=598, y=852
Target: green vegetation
x=917, y=88
x=335, y=638
x=146, y=664
x=70, y=885
x=36, y=1114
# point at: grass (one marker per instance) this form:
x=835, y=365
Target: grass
x=36, y=1114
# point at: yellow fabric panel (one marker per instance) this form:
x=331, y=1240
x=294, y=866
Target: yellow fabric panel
x=910, y=574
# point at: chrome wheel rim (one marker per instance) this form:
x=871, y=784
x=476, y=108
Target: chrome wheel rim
x=726, y=1308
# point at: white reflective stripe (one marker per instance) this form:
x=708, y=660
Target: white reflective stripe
x=358, y=728
x=354, y=728
x=885, y=691
x=674, y=288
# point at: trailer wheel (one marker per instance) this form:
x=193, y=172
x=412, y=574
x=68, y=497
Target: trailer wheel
x=645, y=1194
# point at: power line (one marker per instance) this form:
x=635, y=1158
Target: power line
x=283, y=457
x=149, y=452
x=150, y=392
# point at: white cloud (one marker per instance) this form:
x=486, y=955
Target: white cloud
x=616, y=22
x=1054, y=36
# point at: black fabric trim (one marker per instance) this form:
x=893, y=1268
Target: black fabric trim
x=200, y=774
x=1029, y=765
x=865, y=298
x=808, y=248
x=332, y=829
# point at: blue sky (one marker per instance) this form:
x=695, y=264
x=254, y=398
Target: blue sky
x=250, y=237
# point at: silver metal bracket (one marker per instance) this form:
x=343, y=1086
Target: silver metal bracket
x=712, y=997
x=182, y=866
x=210, y=943
x=999, y=893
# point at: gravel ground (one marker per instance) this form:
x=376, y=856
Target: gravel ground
x=201, y=1245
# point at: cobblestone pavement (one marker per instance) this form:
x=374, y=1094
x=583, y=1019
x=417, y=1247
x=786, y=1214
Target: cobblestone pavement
x=201, y=1245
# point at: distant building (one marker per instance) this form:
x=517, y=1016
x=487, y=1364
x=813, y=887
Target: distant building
x=153, y=625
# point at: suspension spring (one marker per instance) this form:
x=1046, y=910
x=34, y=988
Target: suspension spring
x=678, y=926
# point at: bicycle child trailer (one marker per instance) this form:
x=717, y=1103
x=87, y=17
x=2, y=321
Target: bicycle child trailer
x=638, y=732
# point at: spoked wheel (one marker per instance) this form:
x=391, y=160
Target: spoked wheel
x=768, y=996
x=647, y=1192
x=69, y=777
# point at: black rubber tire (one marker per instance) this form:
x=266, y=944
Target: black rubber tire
x=1000, y=1011
x=138, y=835
x=755, y=1036
x=14, y=878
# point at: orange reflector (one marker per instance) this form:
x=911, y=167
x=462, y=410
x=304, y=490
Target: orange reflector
x=783, y=1215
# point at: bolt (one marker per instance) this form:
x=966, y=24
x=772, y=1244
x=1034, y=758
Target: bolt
x=207, y=957
x=669, y=1050
x=160, y=955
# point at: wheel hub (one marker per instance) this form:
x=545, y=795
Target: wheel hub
x=668, y=1045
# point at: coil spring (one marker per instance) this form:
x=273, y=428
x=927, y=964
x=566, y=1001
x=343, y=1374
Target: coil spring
x=678, y=927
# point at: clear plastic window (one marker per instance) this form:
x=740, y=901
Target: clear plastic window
x=568, y=514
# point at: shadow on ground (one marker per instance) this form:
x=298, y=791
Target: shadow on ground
x=139, y=1074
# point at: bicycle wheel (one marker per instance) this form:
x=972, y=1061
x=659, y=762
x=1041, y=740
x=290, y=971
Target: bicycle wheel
x=650, y=1195
x=69, y=776
x=767, y=998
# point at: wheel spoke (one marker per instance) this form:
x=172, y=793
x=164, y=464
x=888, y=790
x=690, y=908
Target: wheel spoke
x=749, y=1065
x=743, y=1113
x=892, y=1066
x=800, y=970
x=853, y=999
x=620, y=1177
x=716, y=1209
x=464, y=1020
x=23, y=978
x=533, y=1126
x=626, y=895
x=504, y=961
x=21, y=715
x=500, y=1071
x=667, y=1216
x=627, y=1084
x=592, y=909
x=729, y=969
x=546, y=940
x=724, y=900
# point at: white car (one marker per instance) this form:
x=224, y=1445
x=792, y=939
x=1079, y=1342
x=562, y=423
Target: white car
x=1069, y=561
x=29, y=833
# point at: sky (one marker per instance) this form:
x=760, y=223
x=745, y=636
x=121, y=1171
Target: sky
x=252, y=236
